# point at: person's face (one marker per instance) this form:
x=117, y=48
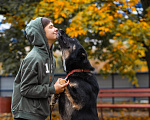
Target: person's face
x=51, y=32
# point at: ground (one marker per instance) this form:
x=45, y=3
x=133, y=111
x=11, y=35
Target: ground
x=109, y=114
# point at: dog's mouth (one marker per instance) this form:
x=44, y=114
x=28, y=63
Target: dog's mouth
x=62, y=39
x=58, y=34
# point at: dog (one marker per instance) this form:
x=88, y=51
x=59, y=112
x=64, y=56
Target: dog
x=78, y=101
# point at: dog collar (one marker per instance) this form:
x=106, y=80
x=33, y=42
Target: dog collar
x=76, y=70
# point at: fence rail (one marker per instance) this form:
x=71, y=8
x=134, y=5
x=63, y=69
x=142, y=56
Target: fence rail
x=113, y=81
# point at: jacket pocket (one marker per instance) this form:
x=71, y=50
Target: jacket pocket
x=43, y=107
x=33, y=105
x=36, y=103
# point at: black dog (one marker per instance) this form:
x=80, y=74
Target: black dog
x=78, y=102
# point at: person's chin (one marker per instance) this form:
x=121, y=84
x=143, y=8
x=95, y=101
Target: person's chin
x=55, y=39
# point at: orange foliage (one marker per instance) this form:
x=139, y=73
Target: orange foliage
x=87, y=17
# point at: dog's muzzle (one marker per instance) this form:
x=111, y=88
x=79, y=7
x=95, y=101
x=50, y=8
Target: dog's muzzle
x=58, y=34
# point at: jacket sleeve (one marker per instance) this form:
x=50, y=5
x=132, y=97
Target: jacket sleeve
x=30, y=86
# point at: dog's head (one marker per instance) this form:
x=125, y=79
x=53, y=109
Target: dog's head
x=73, y=54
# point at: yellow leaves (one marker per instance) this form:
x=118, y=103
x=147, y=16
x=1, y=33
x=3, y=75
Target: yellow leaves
x=142, y=19
x=143, y=65
x=78, y=31
x=99, y=23
x=134, y=46
x=103, y=22
x=91, y=8
x=142, y=53
x=6, y=116
x=61, y=10
x=58, y=9
x=133, y=2
x=118, y=15
x=110, y=17
x=41, y=10
x=124, y=7
x=56, y=16
x=102, y=33
x=9, y=20
x=63, y=15
x=118, y=34
x=128, y=3
x=124, y=1
x=103, y=30
x=106, y=67
x=133, y=9
x=60, y=20
x=106, y=30
x=78, y=18
x=81, y=1
x=50, y=0
x=129, y=22
x=144, y=24
x=60, y=3
x=130, y=41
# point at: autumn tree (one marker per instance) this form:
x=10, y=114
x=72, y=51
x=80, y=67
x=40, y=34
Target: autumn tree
x=119, y=39
x=108, y=29
x=12, y=41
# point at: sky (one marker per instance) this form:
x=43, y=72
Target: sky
x=3, y=26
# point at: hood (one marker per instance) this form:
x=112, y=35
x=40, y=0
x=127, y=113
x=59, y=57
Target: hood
x=36, y=35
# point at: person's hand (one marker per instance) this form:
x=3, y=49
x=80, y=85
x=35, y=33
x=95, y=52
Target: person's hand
x=58, y=87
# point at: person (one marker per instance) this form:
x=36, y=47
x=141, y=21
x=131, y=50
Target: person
x=34, y=82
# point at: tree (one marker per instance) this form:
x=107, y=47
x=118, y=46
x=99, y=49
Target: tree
x=120, y=38
x=12, y=49
x=13, y=43
x=100, y=23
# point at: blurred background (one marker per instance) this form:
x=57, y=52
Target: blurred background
x=115, y=34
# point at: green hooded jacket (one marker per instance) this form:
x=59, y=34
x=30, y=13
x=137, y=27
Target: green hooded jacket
x=32, y=86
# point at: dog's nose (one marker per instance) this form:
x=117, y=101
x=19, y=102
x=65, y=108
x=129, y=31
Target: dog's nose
x=61, y=31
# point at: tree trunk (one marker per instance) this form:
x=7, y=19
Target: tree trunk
x=147, y=53
x=145, y=5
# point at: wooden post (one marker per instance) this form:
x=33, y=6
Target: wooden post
x=5, y=104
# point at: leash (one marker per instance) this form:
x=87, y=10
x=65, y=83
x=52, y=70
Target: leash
x=52, y=104
x=66, y=78
x=51, y=110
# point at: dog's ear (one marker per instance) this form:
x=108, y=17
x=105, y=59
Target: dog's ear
x=81, y=54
